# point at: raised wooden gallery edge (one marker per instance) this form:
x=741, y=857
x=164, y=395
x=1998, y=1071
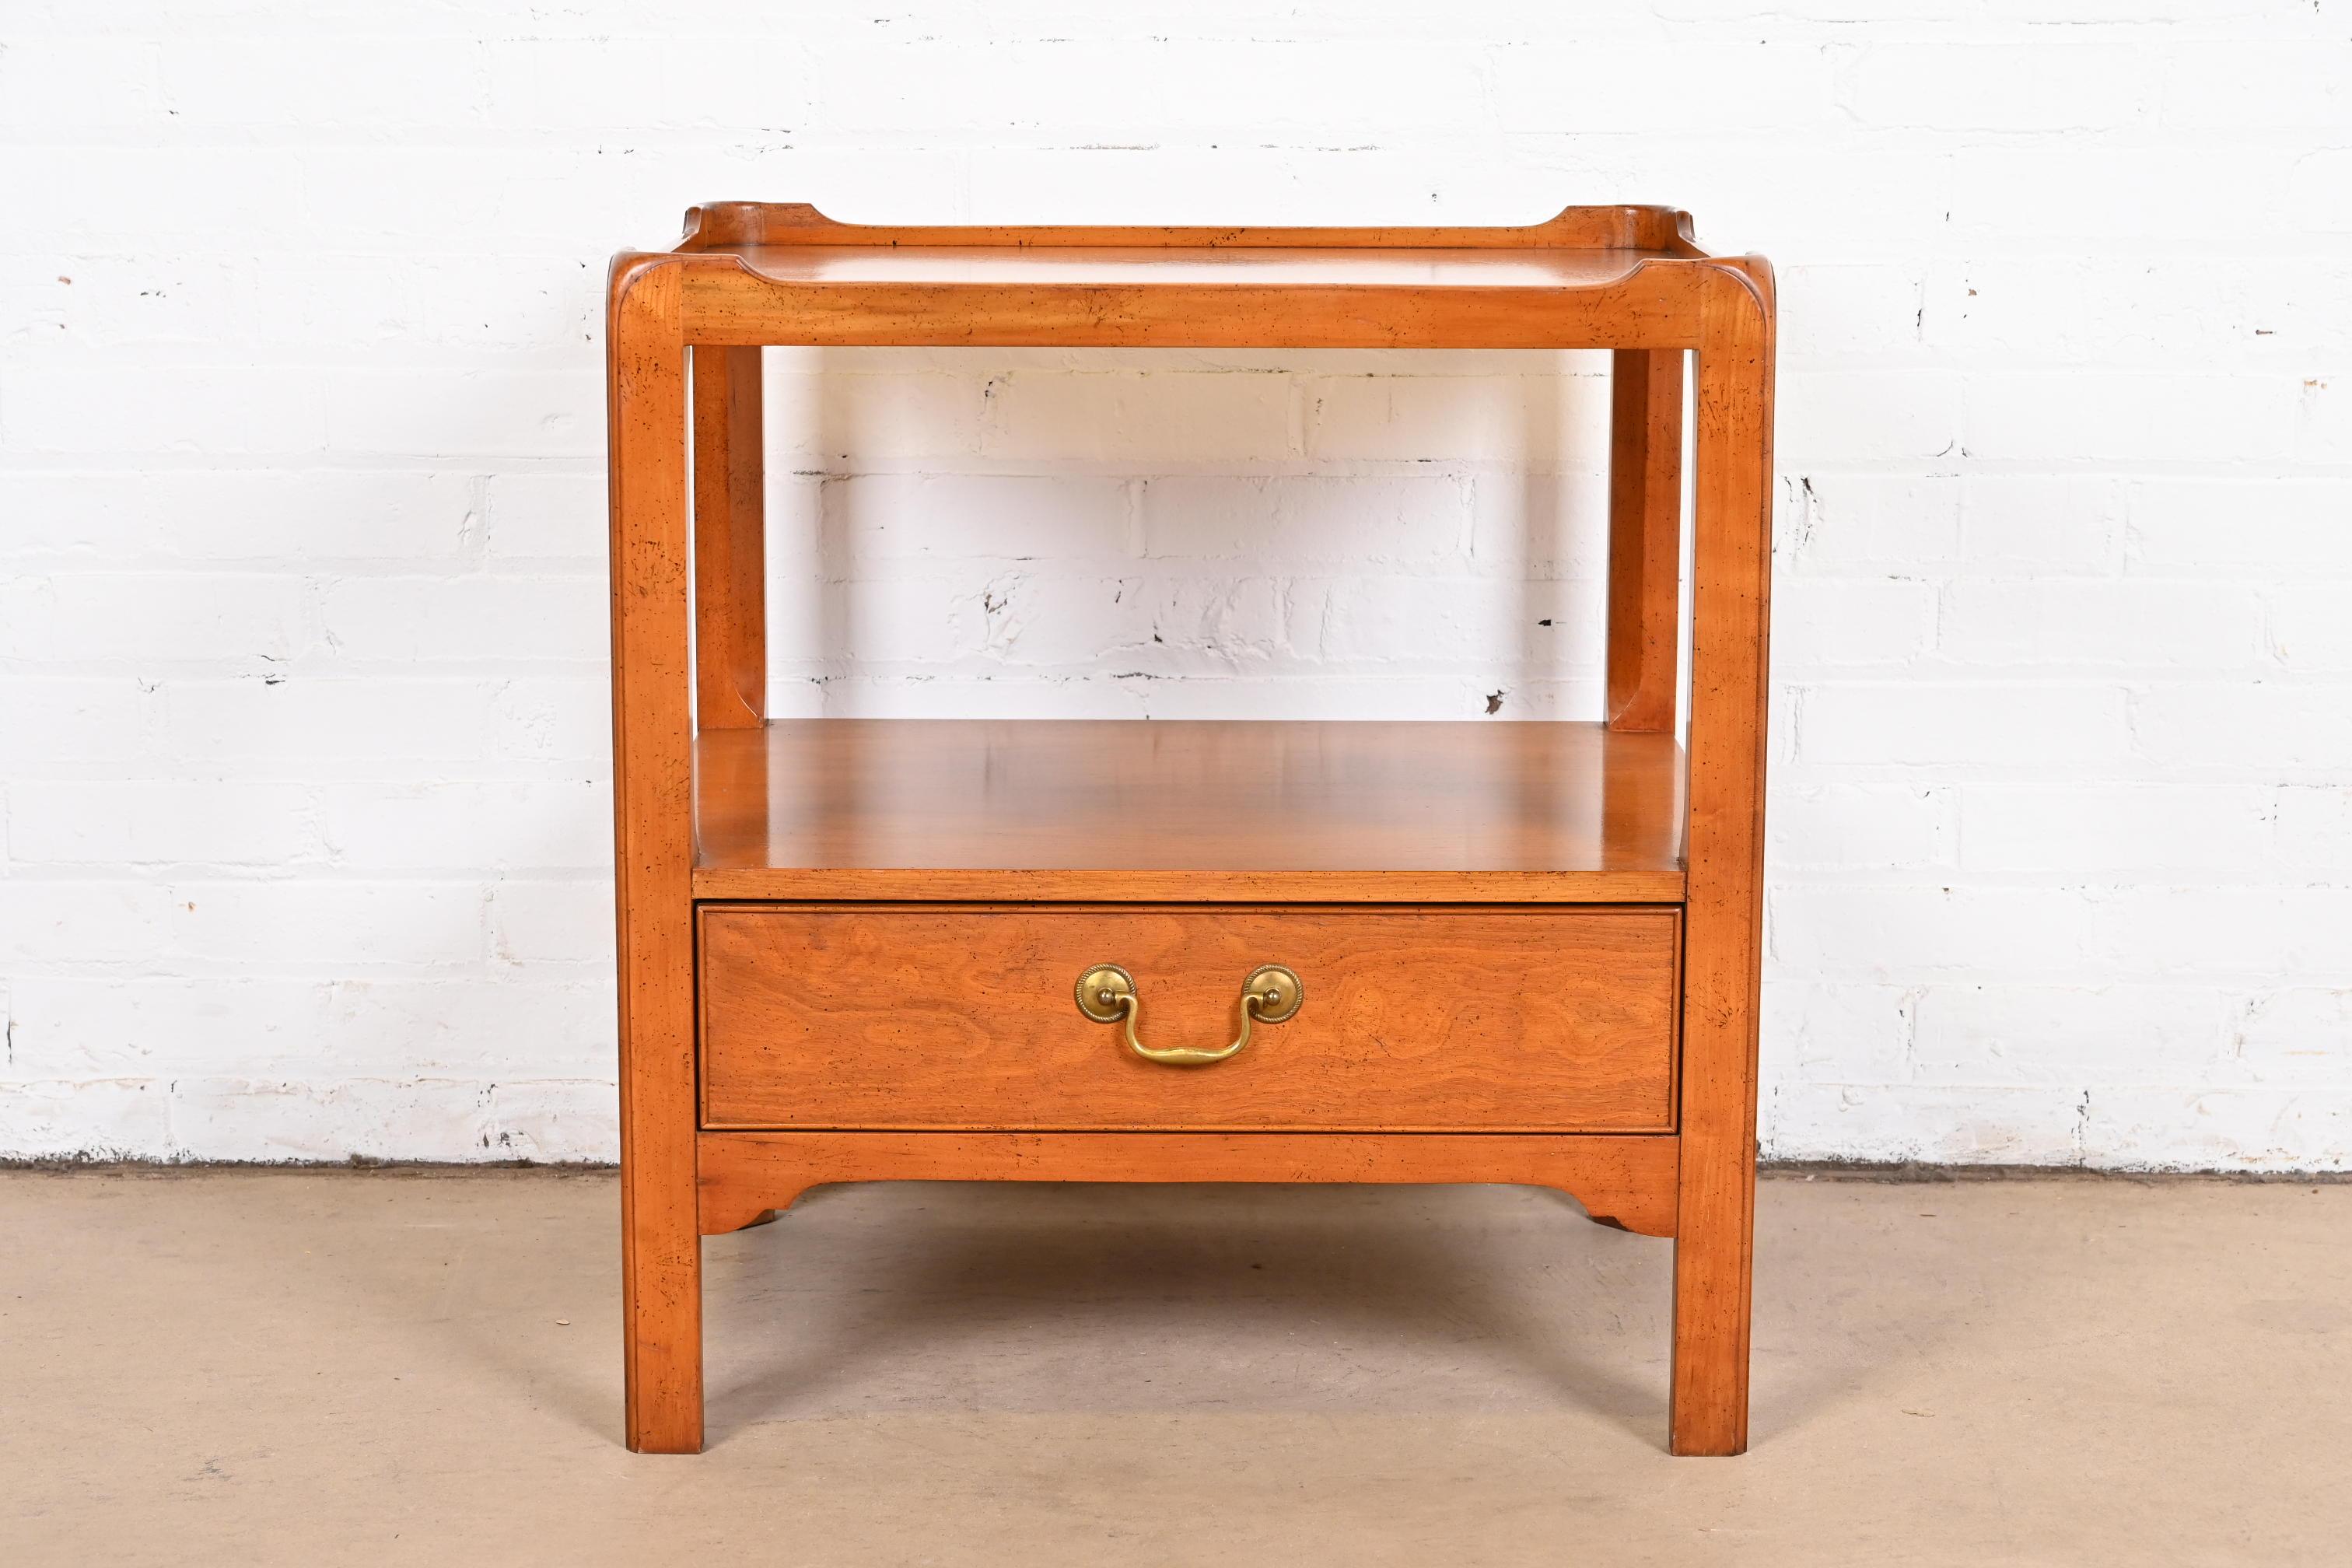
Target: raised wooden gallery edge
x=1620, y=277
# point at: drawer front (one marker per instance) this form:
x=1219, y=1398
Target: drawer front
x=846, y=1016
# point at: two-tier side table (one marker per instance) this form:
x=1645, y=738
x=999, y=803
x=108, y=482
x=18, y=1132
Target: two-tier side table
x=1196, y=951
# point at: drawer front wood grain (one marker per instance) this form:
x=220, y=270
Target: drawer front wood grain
x=964, y=1018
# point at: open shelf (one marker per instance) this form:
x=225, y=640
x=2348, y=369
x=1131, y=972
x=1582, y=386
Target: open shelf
x=1125, y=810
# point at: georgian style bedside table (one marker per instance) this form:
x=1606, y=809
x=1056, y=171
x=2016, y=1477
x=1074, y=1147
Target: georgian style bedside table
x=1253, y=951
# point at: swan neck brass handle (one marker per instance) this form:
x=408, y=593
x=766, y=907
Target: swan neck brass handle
x=1106, y=993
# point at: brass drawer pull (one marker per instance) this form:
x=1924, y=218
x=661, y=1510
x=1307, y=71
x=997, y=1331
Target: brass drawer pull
x=1269, y=995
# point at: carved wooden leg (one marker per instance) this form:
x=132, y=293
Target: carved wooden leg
x=661, y=1248
x=1723, y=912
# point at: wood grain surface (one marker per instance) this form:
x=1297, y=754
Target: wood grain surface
x=1531, y=1028
x=1644, y=305
x=1731, y=598
x=661, y=1252
x=965, y=1018
x=730, y=595
x=1160, y=266
x=1591, y=276
x=1254, y=810
x=1624, y=1181
x=734, y=225
x=1645, y=512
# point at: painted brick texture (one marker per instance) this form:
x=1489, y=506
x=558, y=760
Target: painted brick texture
x=303, y=727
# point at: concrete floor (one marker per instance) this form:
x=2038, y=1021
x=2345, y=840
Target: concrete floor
x=371, y=1367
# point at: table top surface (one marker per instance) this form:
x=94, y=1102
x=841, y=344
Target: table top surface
x=1164, y=266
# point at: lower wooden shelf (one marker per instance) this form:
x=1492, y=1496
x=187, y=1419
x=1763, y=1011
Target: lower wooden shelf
x=1244, y=811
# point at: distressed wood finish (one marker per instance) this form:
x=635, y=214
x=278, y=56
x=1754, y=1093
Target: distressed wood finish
x=731, y=590
x=1627, y=1181
x=661, y=1254
x=1645, y=506
x=1528, y=1006
x=963, y=1019
x=1188, y=812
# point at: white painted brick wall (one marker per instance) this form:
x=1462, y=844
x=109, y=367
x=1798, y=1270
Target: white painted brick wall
x=302, y=721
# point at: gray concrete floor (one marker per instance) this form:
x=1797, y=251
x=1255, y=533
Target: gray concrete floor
x=376, y=1367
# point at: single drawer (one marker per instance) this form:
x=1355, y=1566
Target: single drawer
x=911, y=1017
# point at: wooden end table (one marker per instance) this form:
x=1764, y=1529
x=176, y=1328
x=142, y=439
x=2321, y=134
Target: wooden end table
x=1485, y=952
